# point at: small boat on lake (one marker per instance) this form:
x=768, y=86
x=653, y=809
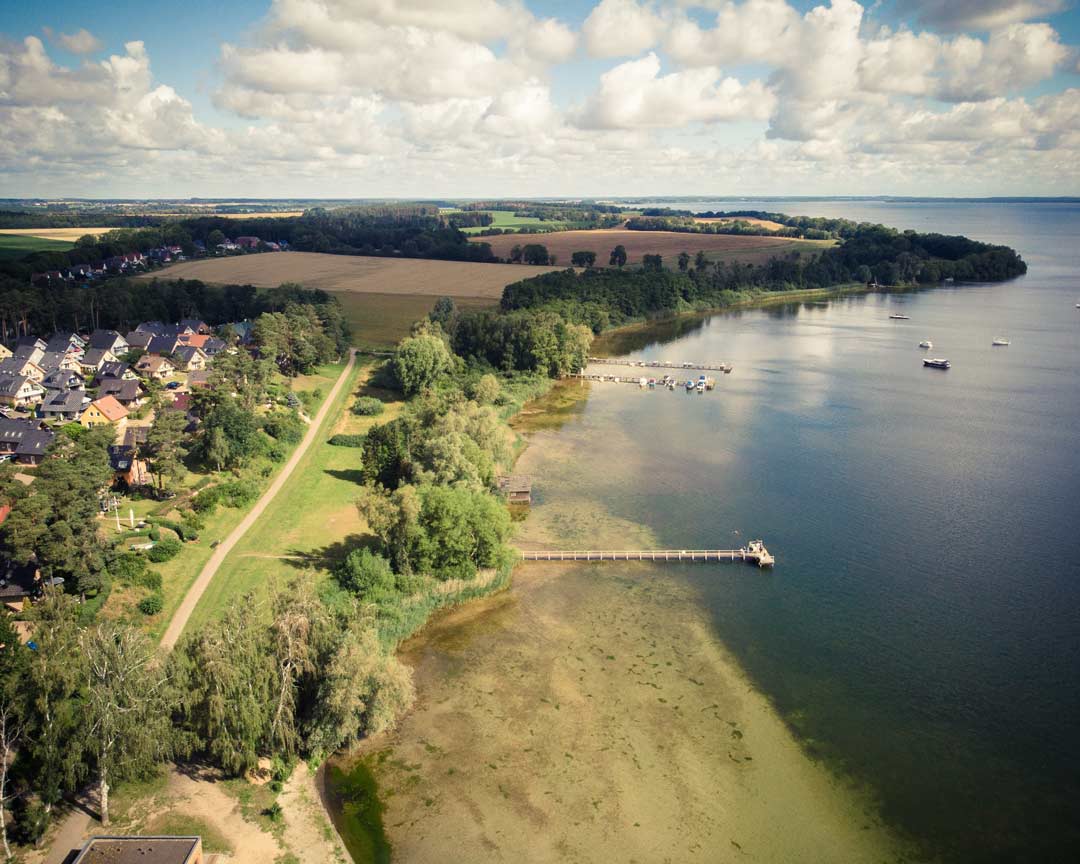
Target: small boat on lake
x=1000, y=341
x=896, y=316
x=935, y=362
x=926, y=343
x=690, y=385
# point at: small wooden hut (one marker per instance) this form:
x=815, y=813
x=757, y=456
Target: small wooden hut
x=517, y=488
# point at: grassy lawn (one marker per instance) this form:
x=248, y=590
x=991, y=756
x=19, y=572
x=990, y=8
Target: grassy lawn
x=507, y=219
x=176, y=822
x=383, y=320
x=180, y=572
x=15, y=246
x=313, y=516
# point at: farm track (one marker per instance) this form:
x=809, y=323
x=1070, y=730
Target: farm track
x=206, y=575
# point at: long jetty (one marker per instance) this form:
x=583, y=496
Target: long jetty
x=663, y=364
x=753, y=553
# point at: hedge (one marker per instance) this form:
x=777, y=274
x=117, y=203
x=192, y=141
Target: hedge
x=151, y=604
x=164, y=551
x=347, y=440
x=368, y=406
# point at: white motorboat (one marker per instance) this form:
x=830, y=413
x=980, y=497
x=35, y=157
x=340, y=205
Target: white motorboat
x=896, y=316
x=926, y=343
x=1000, y=341
x=936, y=362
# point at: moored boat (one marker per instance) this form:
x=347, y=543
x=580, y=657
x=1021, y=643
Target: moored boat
x=896, y=316
x=926, y=343
x=1000, y=341
x=936, y=362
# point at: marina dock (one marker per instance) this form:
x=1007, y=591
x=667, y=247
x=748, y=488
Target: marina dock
x=663, y=364
x=753, y=553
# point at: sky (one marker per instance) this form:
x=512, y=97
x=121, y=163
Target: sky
x=530, y=98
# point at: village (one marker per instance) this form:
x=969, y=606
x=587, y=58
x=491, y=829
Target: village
x=131, y=263
x=101, y=379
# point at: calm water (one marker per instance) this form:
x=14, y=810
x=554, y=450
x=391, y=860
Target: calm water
x=922, y=628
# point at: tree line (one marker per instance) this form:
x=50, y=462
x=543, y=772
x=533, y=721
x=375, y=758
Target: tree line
x=608, y=297
x=121, y=304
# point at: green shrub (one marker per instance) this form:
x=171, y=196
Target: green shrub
x=129, y=568
x=31, y=820
x=165, y=550
x=151, y=604
x=285, y=426
x=274, y=812
x=368, y=406
x=347, y=440
x=206, y=500
x=155, y=534
x=365, y=573
x=151, y=579
x=238, y=493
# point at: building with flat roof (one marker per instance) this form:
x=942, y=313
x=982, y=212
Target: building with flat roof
x=141, y=850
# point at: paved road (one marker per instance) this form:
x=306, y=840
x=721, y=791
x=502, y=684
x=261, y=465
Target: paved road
x=191, y=599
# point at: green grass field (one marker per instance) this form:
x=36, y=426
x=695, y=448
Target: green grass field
x=383, y=320
x=15, y=246
x=313, y=517
x=179, y=573
x=507, y=219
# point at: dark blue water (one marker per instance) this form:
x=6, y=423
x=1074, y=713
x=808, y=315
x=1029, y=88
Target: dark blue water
x=922, y=628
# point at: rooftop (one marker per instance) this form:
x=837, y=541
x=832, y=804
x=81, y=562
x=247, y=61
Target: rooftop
x=139, y=850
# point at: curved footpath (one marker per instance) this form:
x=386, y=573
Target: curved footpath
x=191, y=599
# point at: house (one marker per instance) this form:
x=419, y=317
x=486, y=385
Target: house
x=247, y=242
x=19, y=581
x=24, y=440
x=198, y=379
x=110, y=340
x=5, y=352
x=213, y=346
x=517, y=488
x=64, y=405
x=66, y=342
x=127, y=393
x=190, y=358
x=114, y=369
x=196, y=339
x=22, y=367
x=105, y=411
x=30, y=340
x=151, y=327
x=163, y=344
x=133, y=849
x=53, y=360
x=242, y=330
x=124, y=457
x=138, y=339
x=18, y=391
x=196, y=326
x=92, y=360
x=63, y=379
x=154, y=366
x=33, y=353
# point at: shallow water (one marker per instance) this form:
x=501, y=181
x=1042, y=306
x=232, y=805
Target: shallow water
x=922, y=628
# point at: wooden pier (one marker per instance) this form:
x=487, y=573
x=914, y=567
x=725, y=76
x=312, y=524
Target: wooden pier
x=753, y=553
x=663, y=364
x=634, y=379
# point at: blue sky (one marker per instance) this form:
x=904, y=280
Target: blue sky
x=568, y=97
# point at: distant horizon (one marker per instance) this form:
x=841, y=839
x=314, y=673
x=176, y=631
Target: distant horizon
x=1003, y=199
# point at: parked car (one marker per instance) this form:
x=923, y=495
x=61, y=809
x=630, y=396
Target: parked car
x=172, y=385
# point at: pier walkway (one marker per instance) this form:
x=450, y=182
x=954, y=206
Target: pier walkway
x=663, y=364
x=753, y=553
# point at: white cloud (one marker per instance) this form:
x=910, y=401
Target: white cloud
x=978, y=14
x=622, y=28
x=635, y=95
x=80, y=42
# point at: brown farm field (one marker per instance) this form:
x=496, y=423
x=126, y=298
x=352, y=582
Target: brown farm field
x=767, y=224
x=355, y=274
x=69, y=234
x=381, y=297
x=638, y=243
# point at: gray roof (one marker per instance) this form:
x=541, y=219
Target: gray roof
x=104, y=339
x=112, y=369
x=94, y=357
x=214, y=346
x=65, y=402
x=10, y=385
x=63, y=342
x=62, y=379
x=162, y=345
x=139, y=338
x=123, y=390
x=27, y=352
x=186, y=352
x=35, y=443
x=27, y=436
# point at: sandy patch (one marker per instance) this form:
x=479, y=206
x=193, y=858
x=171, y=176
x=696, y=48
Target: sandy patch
x=308, y=832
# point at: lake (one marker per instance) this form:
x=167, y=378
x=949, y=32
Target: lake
x=921, y=630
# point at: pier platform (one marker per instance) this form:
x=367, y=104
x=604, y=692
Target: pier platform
x=753, y=553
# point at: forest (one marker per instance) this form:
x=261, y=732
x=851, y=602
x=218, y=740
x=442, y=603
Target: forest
x=602, y=298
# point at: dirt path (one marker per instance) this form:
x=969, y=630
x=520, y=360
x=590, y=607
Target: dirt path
x=191, y=599
x=308, y=832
